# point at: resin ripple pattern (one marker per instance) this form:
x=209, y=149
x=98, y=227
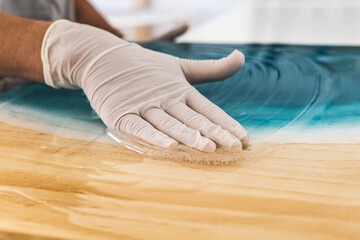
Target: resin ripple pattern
x=283, y=93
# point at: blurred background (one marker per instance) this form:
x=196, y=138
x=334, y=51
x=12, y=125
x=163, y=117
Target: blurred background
x=239, y=21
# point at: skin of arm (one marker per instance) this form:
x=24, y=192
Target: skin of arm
x=20, y=47
x=87, y=14
x=21, y=40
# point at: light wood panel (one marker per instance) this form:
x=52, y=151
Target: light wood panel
x=57, y=188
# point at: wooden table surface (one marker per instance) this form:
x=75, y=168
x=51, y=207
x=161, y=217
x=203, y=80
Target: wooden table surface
x=53, y=187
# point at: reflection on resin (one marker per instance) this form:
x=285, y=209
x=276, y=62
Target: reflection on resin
x=282, y=94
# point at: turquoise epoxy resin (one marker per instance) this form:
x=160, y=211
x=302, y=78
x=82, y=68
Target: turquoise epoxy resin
x=282, y=93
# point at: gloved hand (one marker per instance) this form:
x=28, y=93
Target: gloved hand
x=139, y=91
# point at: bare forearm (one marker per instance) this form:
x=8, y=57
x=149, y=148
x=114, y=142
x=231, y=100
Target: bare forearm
x=87, y=14
x=20, y=47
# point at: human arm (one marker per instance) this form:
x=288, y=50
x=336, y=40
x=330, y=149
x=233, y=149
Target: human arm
x=135, y=90
x=20, y=45
x=86, y=13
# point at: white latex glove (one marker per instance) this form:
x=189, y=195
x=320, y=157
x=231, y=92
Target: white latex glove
x=139, y=91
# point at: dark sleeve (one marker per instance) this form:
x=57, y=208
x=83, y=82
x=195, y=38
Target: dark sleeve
x=47, y=10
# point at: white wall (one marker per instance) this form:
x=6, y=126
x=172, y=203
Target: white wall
x=231, y=21
x=284, y=21
x=163, y=14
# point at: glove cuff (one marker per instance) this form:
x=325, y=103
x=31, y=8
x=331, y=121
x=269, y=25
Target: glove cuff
x=49, y=79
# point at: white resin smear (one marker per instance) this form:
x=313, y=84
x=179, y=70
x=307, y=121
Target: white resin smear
x=180, y=153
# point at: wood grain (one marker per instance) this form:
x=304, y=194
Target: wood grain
x=57, y=188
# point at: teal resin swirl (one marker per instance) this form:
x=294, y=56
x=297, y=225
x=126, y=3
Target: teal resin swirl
x=286, y=92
